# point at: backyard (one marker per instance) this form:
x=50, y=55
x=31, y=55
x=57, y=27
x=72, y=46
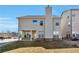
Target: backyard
x=38, y=47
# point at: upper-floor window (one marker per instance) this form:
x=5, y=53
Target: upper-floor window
x=34, y=21
x=68, y=17
x=73, y=15
x=41, y=23
x=57, y=23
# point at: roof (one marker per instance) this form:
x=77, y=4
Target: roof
x=69, y=10
x=36, y=16
x=32, y=16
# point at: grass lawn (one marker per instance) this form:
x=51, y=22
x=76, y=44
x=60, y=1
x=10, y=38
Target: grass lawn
x=56, y=44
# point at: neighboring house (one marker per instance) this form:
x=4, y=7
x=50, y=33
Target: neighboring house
x=70, y=23
x=39, y=26
x=8, y=35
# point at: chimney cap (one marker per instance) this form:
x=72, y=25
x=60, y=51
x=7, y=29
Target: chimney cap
x=48, y=6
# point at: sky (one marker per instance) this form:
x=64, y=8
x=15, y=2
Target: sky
x=9, y=14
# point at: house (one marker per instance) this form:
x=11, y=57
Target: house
x=10, y=35
x=39, y=26
x=70, y=23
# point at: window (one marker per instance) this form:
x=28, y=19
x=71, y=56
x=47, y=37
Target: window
x=34, y=21
x=41, y=35
x=67, y=35
x=41, y=23
x=55, y=32
x=69, y=24
x=77, y=35
x=57, y=24
x=68, y=17
x=73, y=35
x=73, y=15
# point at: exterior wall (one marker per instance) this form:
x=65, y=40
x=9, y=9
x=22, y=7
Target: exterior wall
x=49, y=28
x=65, y=27
x=56, y=28
x=27, y=24
x=75, y=21
x=70, y=22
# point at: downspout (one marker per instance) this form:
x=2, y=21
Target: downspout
x=71, y=25
x=44, y=29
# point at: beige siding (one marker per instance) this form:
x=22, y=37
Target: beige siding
x=72, y=17
x=27, y=24
x=75, y=21
x=64, y=26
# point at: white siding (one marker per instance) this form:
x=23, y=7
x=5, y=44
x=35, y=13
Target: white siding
x=48, y=23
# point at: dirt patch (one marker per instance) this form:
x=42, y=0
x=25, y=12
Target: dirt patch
x=43, y=50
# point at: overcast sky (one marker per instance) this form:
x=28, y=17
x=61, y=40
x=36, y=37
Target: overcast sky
x=8, y=14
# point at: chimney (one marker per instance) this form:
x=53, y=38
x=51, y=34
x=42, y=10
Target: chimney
x=48, y=22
